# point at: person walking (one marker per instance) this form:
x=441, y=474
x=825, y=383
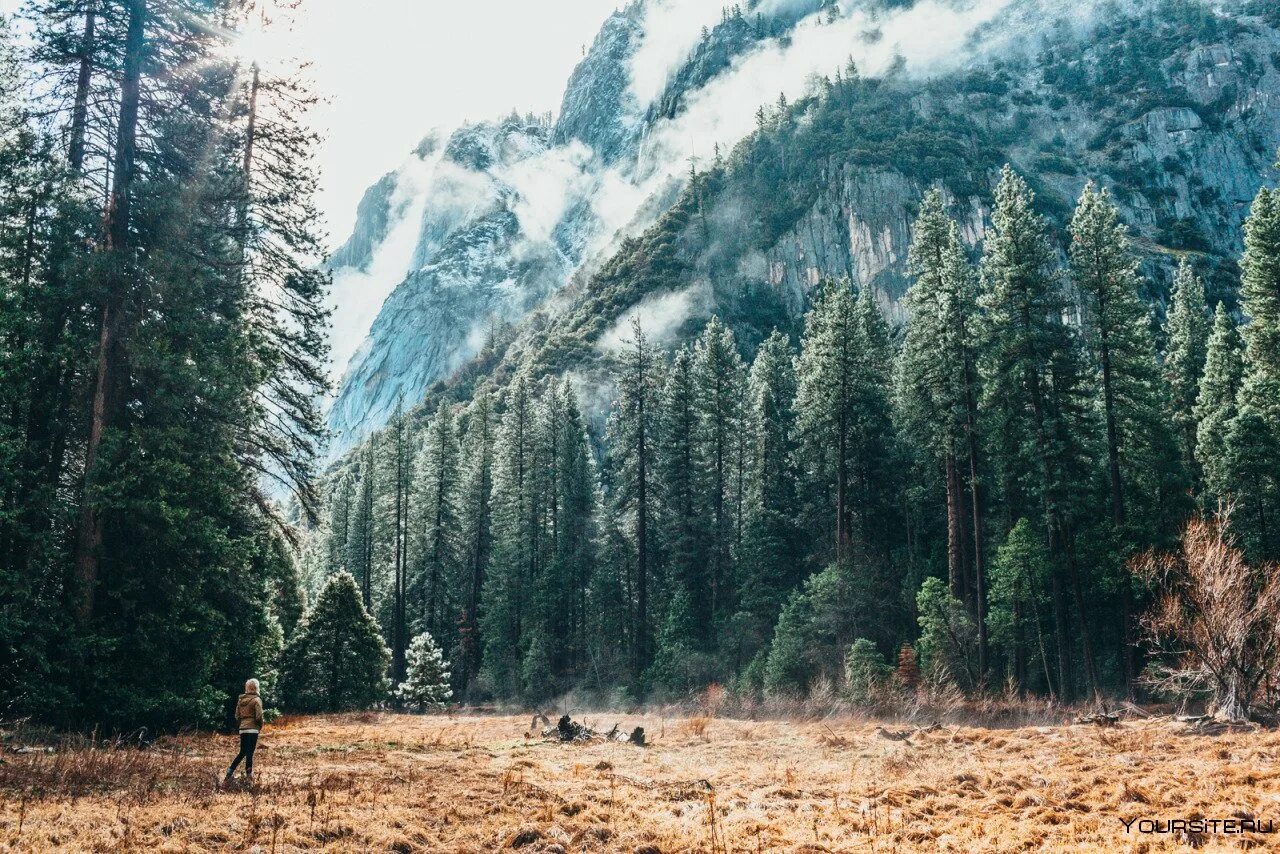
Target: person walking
x=249, y=718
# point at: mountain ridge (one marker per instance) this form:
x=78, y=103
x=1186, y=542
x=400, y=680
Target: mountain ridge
x=1184, y=154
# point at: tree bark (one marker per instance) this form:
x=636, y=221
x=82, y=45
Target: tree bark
x=84, y=79
x=111, y=337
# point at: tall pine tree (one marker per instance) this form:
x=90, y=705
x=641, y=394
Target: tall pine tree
x=1216, y=405
x=938, y=388
x=1253, y=440
x=1187, y=330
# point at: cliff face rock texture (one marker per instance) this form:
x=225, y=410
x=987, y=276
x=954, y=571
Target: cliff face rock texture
x=1174, y=107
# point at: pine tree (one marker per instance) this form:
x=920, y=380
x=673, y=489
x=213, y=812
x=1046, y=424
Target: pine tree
x=1140, y=450
x=771, y=561
x=948, y=636
x=1216, y=404
x=843, y=418
x=574, y=505
x=391, y=528
x=864, y=671
x=342, y=498
x=631, y=433
x=1187, y=330
x=434, y=547
x=679, y=484
x=1253, y=439
x=675, y=663
x=938, y=390
x=145, y=414
x=362, y=544
x=719, y=381
x=1019, y=575
x=44, y=337
x=475, y=528
x=1030, y=381
x=336, y=660
x=427, y=684
x=516, y=559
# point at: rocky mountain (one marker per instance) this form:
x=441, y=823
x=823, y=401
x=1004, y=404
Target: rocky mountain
x=711, y=193
x=506, y=211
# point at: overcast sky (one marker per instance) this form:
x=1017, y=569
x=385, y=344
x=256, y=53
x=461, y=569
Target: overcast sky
x=393, y=69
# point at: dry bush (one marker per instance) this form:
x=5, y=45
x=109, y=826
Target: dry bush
x=713, y=700
x=1215, y=623
x=696, y=726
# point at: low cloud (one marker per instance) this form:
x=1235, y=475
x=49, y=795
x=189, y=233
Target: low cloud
x=661, y=316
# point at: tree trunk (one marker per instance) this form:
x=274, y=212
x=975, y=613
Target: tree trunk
x=975, y=509
x=642, y=532
x=1117, y=511
x=111, y=356
x=955, y=545
x=80, y=106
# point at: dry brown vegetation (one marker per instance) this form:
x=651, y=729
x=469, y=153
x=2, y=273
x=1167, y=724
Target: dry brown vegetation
x=402, y=783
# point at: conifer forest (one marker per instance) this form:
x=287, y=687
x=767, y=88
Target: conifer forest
x=1020, y=441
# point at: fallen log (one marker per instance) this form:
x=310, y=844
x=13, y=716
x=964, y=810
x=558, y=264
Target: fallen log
x=569, y=731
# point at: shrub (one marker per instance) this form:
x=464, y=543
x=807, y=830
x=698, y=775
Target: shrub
x=948, y=637
x=1215, y=622
x=864, y=671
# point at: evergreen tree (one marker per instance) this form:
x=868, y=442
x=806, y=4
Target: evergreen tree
x=391, y=527
x=574, y=504
x=719, y=380
x=679, y=484
x=475, y=528
x=1019, y=575
x=842, y=417
x=427, y=684
x=1253, y=439
x=631, y=433
x=938, y=391
x=336, y=660
x=948, y=636
x=1140, y=450
x=864, y=671
x=1031, y=389
x=434, y=547
x=676, y=665
x=1187, y=330
x=362, y=544
x=159, y=362
x=1216, y=404
x=771, y=559
x=516, y=559
x=342, y=500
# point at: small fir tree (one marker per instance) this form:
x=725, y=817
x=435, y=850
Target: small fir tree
x=336, y=660
x=427, y=684
x=948, y=638
x=864, y=671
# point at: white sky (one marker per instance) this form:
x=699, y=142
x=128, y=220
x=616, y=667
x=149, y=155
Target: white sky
x=394, y=69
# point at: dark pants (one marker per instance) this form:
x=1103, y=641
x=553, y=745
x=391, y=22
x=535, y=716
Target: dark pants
x=248, y=743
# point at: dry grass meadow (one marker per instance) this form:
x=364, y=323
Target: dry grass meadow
x=450, y=784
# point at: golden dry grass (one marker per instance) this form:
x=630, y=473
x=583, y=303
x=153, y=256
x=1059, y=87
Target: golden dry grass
x=404, y=783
